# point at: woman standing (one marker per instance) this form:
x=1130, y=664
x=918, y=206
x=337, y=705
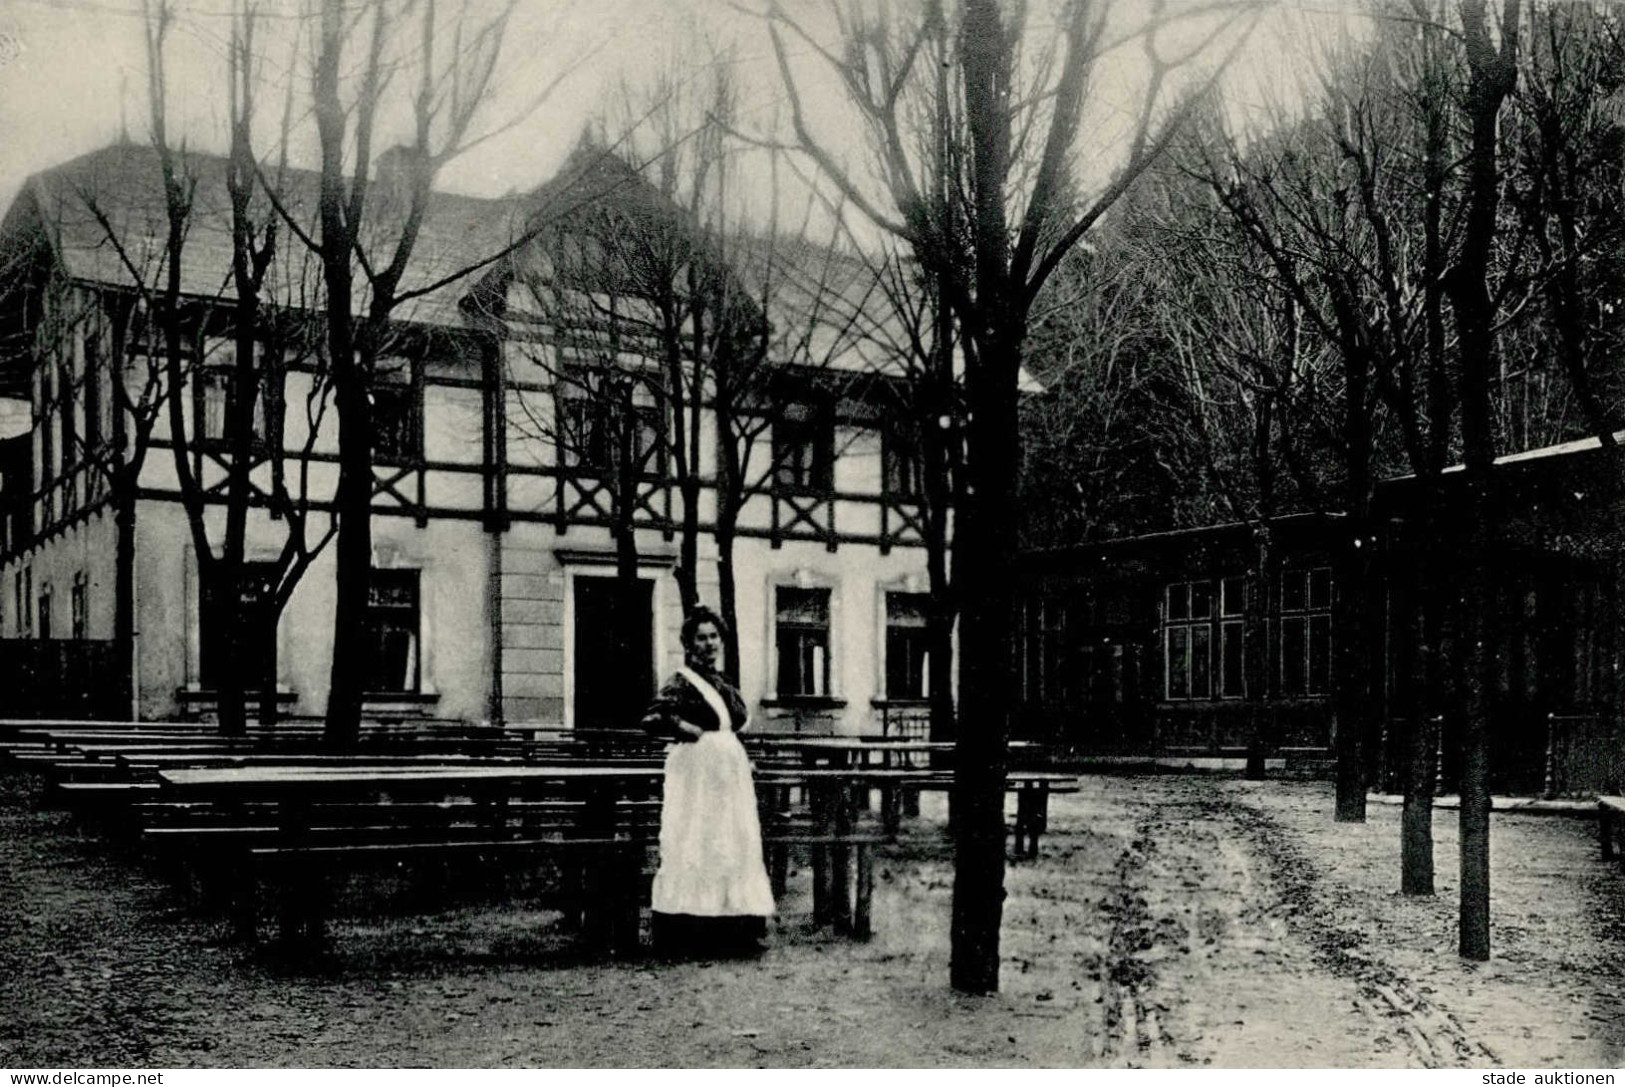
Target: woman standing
x=711, y=891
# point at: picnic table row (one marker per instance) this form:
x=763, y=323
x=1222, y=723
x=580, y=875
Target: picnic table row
x=247, y=815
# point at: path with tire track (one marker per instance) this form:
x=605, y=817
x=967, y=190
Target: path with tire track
x=1171, y=921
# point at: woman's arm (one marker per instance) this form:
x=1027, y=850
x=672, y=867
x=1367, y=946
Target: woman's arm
x=666, y=717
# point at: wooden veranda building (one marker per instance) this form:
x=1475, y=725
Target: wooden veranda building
x=1196, y=642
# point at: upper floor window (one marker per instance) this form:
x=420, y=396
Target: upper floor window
x=94, y=427
x=908, y=647
x=217, y=401
x=801, y=634
x=397, y=436
x=804, y=449
x=1306, y=632
x=47, y=418
x=391, y=626
x=1203, y=637
x=902, y=465
x=603, y=412
x=65, y=392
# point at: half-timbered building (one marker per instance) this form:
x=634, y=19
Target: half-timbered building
x=494, y=504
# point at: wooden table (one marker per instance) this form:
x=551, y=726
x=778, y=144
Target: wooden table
x=296, y=791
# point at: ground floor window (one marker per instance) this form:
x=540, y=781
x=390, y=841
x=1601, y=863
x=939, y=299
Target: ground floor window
x=391, y=630
x=801, y=632
x=908, y=652
x=79, y=606
x=22, y=585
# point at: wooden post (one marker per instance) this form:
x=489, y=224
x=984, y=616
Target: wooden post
x=779, y=868
x=844, y=800
x=818, y=797
x=862, y=925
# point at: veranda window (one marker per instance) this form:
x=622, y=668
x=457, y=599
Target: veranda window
x=1204, y=639
x=1306, y=632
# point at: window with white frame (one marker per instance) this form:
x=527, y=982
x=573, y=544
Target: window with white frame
x=397, y=434
x=217, y=398
x=908, y=650
x=391, y=632
x=1204, y=639
x=1306, y=632
x=801, y=633
x=804, y=449
x=903, y=464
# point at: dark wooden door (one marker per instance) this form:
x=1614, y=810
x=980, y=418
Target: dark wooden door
x=250, y=608
x=614, y=662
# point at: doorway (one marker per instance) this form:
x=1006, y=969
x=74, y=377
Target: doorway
x=613, y=673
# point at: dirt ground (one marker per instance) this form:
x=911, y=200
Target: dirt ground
x=1171, y=922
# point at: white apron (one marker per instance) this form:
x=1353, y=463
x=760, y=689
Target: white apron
x=710, y=836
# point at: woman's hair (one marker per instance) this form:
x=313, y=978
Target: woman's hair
x=698, y=618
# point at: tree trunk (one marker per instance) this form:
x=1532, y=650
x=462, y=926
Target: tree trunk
x=1256, y=658
x=627, y=613
x=1422, y=738
x=269, y=710
x=1477, y=657
x=986, y=540
x=124, y=587
x=1493, y=76
x=352, y=559
x=1352, y=672
x=730, y=498
x=728, y=598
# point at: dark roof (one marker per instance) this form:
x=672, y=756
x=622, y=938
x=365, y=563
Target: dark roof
x=124, y=183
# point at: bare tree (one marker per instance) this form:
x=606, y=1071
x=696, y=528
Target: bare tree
x=1492, y=66
x=367, y=236
x=992, y=219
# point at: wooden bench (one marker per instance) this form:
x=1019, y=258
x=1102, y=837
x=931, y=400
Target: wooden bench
x=1610, y=813
x=608, y=875
x=235, y=848
x=1032, y=789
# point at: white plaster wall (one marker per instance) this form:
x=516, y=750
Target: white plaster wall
x=89, y=547
x=857, y=577
x=455, y=623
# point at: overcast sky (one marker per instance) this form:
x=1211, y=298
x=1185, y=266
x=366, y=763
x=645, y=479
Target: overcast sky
x=73, y=75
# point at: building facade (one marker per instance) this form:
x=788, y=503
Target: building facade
x=493, y=504
x=1197, y=642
